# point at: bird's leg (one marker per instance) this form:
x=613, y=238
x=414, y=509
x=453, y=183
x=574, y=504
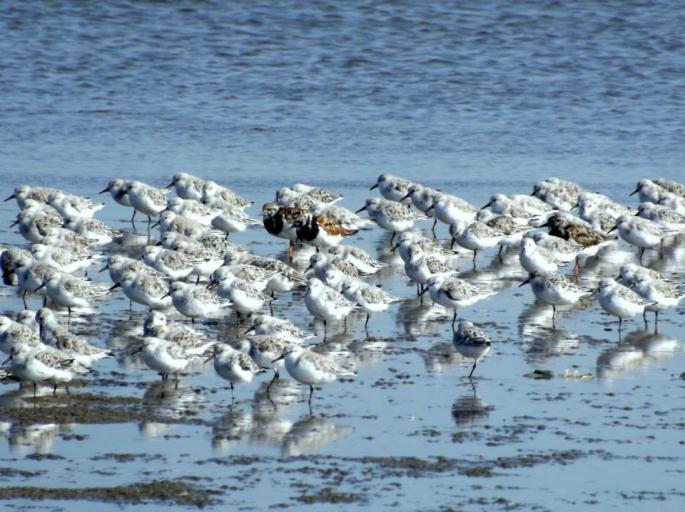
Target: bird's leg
x=435, y=222
x=133, y=223
x=499, y=254
x=291, y=251
x=475, y=253
x=576, y=269
x=644, y=318
x=275, y=377
x=392, y=238
x=473, y=368
x=642, y=251
x=656, y=322
x=23, y=298
x=149, y=234
x=554, y=314
x=454, y=319
x=311, y=393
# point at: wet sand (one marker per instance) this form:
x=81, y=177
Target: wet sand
x=554, y=419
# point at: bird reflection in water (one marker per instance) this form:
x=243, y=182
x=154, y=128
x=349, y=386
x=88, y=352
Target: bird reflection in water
x=168, y=400
x=440, y=357
x=417, y=320
x=469, y=409
x=639, y=348
x=269, y=426
x=543, y=341
x=24, y=438
x=231, y=429
x=310, y=434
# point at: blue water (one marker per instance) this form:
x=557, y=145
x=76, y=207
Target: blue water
x=471, y=98
x=493, y=90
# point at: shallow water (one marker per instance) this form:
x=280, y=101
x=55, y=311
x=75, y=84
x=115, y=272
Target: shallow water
x=470, y=100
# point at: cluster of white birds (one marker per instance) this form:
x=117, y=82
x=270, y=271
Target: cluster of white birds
x=194, y=269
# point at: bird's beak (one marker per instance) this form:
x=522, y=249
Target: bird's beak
x=104, y=190
x=209, y=358
x=11, y=197
x=524, y=283
x=424, y=290
x=278, y=358
x=308, y=268
x=361, y=209
x=406, y=197
x=136, y=351
x=155, y=224
x=374, y=186
x=431, y=207
x=486, y=205
x=117, y=285
x=249, y=330
x=394, y=247
x=14, y=223
x=106, y=267
x=40, y=287
x=166, y=295
x=612, y=229
x=634, y=192
x=173, y=182
x=7, y=360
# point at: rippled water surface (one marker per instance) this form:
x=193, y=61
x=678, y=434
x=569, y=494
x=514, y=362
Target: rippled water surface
x=472, y=99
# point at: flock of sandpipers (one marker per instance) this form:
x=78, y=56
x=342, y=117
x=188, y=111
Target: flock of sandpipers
x=193, y=267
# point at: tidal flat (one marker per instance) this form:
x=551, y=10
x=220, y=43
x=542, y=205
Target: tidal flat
x=553, y=418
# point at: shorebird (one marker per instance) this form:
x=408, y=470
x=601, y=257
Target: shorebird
x=278, y=221
x=393, y=188
x=621, y=301
x=555, y=290
x=471, y=341
x=311, y=368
